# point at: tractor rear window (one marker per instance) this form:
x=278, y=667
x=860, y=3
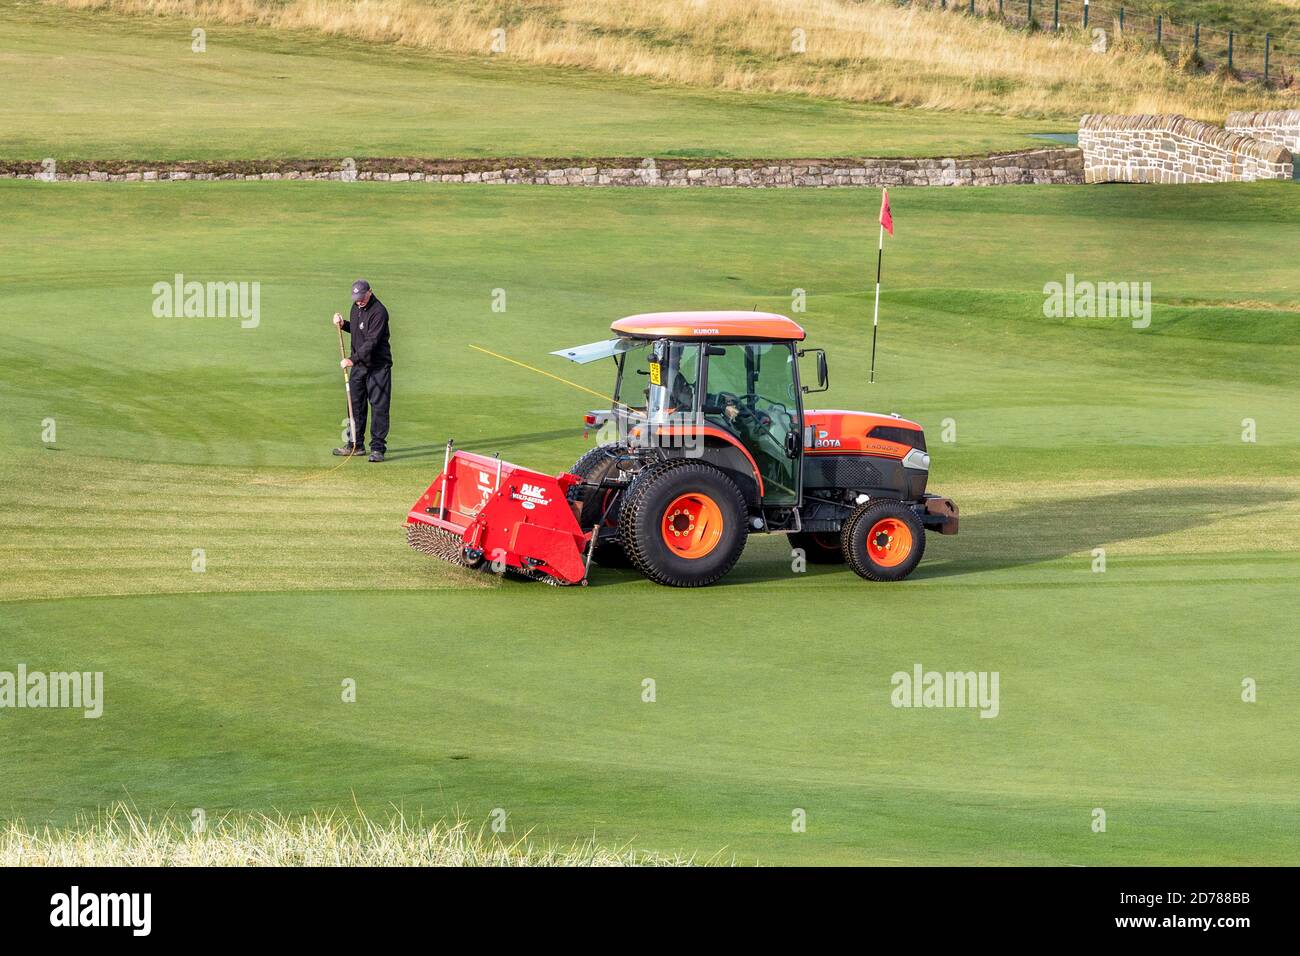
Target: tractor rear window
x=912, y=437
x=674, y=371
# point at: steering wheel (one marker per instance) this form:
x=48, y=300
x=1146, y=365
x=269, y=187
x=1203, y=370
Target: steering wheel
x=742, y=408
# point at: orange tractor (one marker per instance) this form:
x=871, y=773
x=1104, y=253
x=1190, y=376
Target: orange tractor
x=708, y=441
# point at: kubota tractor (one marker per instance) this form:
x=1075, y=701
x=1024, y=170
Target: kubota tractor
x=708, y=442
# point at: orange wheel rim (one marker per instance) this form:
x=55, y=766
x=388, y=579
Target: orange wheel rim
x=692, y=525
x=889, y=542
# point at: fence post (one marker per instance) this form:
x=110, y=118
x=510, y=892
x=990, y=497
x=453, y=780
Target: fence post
x=1268, y=42
x=1056, y=15
x=1121, y=19
x=1085, y=14
x=1196, y=43
x=1029, y=17
x=1230, y=37
x=1160, y=29
x=972, y=8
x=1000, y=10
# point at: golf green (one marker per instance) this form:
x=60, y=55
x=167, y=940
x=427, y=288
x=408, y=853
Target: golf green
x=1167, y=454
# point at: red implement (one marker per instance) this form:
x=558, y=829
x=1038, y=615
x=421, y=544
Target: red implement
x=508, y=515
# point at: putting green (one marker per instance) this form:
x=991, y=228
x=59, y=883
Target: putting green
x=1119, y=690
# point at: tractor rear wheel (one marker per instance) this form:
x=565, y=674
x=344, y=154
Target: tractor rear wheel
x=819, y=547
x=883, y=540
x=683, y=523
x=601, y=503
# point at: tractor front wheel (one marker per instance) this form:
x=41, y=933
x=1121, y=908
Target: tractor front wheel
x=883, y=540
x=683, y=523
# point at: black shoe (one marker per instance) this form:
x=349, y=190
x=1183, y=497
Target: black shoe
x=376, y=456
x=348, y=450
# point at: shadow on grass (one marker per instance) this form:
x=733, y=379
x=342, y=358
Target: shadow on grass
x=1047, y=531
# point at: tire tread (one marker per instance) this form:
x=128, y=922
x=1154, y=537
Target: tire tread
x=858, y=562
x=635, y=503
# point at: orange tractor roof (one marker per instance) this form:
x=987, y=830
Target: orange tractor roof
x=710, y=325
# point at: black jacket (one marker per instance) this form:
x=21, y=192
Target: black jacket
x=369, y=329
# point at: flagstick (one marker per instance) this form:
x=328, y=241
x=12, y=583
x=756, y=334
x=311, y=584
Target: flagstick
x=875, y=319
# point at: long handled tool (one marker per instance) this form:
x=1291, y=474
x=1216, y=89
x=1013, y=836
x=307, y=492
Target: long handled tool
x=347, y=385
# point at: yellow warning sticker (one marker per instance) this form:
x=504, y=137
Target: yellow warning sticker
x=655, y=377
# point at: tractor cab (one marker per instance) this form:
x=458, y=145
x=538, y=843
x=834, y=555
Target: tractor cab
x=721, y=386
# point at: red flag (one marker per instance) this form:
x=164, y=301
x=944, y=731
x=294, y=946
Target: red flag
x=886, y=217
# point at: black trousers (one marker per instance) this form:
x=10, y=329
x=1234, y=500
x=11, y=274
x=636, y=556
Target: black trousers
x=373, y=387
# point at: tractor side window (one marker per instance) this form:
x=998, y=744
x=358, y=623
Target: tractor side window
x=727, y=373
x=752, y=395
x=774, y=387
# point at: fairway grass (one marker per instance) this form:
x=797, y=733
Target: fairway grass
x=1120, y=689
x=120, y=88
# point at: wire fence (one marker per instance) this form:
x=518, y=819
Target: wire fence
x=1269, y=58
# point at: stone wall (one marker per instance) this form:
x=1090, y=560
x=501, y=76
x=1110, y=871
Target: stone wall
x=1174, y=149
x=1056, y=165
x=1279, y=127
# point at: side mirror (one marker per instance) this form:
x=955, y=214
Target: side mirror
x=823, y=373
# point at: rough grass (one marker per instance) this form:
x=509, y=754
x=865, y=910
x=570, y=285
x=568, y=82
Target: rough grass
x=122, y=836
x=866, y=52
x=1280, y=17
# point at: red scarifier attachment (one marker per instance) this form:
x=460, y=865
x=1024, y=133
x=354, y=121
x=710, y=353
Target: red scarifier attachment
x=484, y=509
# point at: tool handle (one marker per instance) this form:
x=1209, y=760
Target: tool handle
x=347, y=386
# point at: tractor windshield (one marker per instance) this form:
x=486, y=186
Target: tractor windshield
x=674, y=369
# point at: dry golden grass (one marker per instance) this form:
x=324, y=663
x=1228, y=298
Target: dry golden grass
x=121, y=836
x=869, y=52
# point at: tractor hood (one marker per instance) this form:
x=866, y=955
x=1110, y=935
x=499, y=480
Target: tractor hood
x=835, y=431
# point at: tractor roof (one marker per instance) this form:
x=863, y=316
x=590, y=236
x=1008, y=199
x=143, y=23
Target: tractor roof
x=763, y=326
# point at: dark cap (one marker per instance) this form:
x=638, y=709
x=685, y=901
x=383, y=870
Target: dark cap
x=359, y=290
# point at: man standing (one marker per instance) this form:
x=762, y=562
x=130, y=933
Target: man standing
x=372, y=370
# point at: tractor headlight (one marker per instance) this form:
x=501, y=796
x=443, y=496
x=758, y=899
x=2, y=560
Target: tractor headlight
x=917, y=459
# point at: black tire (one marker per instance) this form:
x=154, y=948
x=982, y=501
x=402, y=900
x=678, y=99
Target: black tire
x=645, y=509
x=858, y=553
x=597, y=464
x=820, y=547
